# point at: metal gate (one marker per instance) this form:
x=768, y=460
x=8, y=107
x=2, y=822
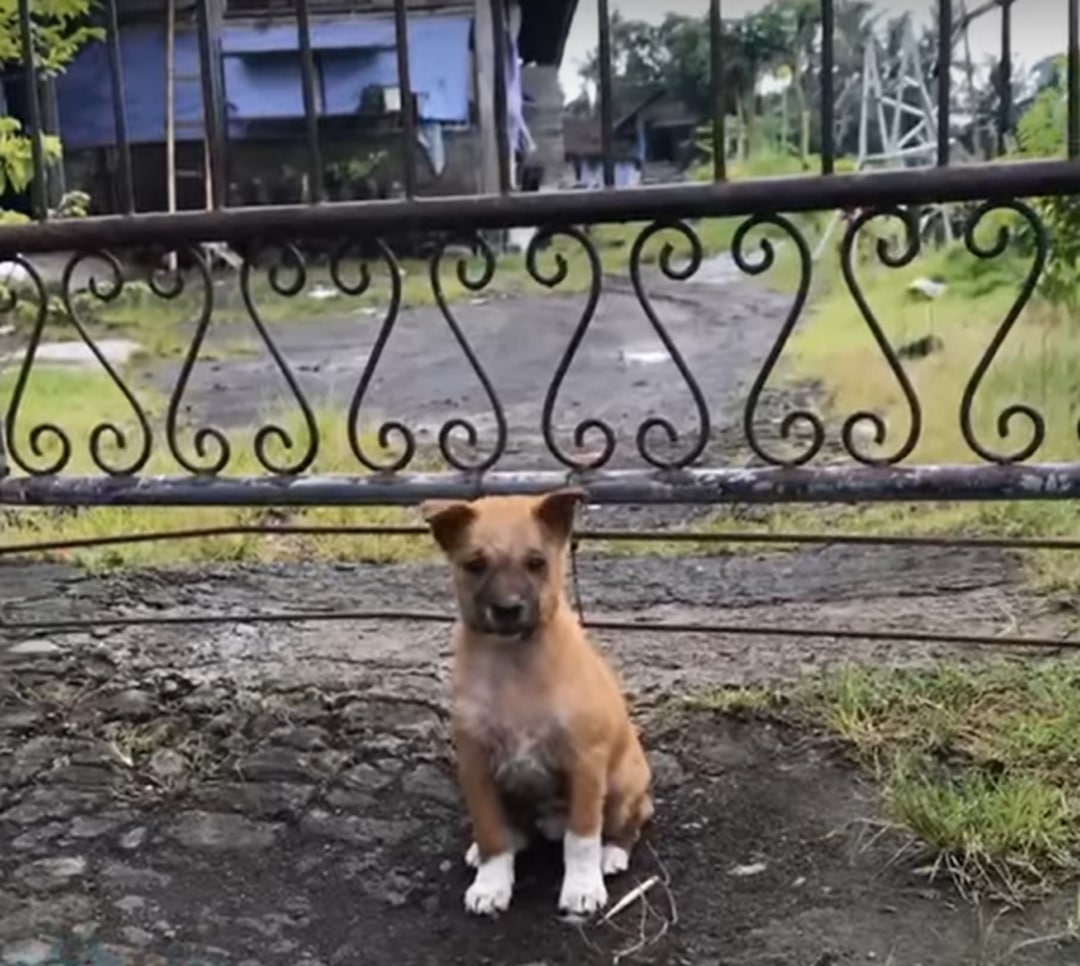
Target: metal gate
x=814, y=458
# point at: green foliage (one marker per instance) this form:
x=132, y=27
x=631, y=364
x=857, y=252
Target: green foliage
x=16, y=156
x=61, y=28
x=1041, y=134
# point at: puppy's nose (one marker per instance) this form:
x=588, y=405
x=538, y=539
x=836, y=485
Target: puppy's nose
x=507, y=612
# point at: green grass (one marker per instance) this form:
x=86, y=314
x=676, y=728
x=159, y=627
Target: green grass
x=978, y=765
x=49, y=396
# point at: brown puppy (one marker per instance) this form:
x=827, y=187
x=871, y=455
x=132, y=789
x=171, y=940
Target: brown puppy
x=541, y=731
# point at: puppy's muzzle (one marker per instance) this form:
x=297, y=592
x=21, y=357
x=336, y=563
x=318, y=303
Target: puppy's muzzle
x=509, y=617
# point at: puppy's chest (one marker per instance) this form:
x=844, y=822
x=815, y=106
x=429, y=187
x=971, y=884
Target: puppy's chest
x=523, y=733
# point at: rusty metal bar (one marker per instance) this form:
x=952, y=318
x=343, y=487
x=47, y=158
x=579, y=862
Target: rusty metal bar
x=38, y=187
x=408, y=115
x=311, y=107
x=607, y=97
x=1074, y=79
x=649, y=627
x=990, y=182
x=502, y=117
x=213, y=120
x=719, y=99
x=830, y=484
x=685, y=537
x=944, y=80
x=1005, y=76
x=828, y=108
x=116, y=79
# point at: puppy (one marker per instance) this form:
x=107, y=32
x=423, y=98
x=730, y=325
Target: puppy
x=542, y=735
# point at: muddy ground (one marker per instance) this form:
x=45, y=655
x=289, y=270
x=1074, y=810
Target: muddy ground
x=263, y=794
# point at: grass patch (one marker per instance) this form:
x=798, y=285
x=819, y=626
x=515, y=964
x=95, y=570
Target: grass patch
x=48, y=399
x=980, y=765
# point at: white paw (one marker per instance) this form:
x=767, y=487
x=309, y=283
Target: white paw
x=515, y=841
x=583, y=893
x=493, y=886
x=614, y=860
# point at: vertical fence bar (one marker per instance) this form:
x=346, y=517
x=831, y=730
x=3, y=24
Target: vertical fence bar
x=408, y=117
x=944, y=80
x=828, y=122
x=38, y=187
x=1005, y=76
x=311, y=115
x=607, y=107
x=213, y=121
x=502, y=115
x=116, y=77
x=719, y=101
x=1074, y=78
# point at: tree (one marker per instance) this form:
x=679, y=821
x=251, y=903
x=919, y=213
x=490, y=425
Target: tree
x=60, y=28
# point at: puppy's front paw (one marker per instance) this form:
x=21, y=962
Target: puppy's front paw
x=614, y=860
x=515, y=842
x=493, y=886
x=583, y=892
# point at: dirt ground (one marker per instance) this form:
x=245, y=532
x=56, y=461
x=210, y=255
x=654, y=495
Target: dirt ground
x=282, y=794
x=263, y=794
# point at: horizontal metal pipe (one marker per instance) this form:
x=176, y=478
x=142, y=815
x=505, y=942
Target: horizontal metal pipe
x=616, y=626
x=991, y=182
x=772, y=538
x=830, y=484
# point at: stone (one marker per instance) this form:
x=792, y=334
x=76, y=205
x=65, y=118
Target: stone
x=135, y=936
x=210, y=830
x=274, y=764
x=366, y=778
x=427, y=781
x=129, y=905
x=133, y=704
x=284, y=800
x=307, y=738
x=37, y=648
x=168, y=765
x=128, y=877
x=666, y=769
x=358, y=830
x=132, y=840
x=29, y=952
x=92, y=827
x=35, y=838
x=48, y=875
x=44, y=804
x=20, y=722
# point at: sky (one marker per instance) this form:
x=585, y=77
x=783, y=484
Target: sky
x=1039, y=27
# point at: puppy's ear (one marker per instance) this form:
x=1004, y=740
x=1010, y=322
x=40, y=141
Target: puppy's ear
x=556, y=511
x=448, y=520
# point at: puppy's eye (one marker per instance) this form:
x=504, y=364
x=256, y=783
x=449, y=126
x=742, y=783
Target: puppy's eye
x=535, y=563
x=475, y=566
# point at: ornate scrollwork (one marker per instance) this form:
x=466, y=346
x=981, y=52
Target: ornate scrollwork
x=457, y=424
x=41, y=434
x=798, y=417
x=1009, y=413
x=210, y=444
x=287, y=275
x=676, y=273
x=389, y=429
x=552, y=279
x=890, y=259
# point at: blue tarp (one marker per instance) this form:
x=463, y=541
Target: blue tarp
x=261, y=67
x=85, y=94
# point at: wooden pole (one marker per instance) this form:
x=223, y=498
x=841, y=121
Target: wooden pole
x=484, y=72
